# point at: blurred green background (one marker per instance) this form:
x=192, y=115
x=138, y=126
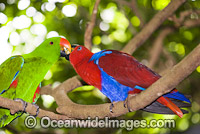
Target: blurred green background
x=25, y=24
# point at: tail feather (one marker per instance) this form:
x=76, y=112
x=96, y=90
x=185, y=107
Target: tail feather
x=158, y=108
x=180, y=104
x=177, y=95
x=6, y=117
x=167, y=102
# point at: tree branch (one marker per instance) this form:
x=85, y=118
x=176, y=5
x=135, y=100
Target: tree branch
x=158, y=46
x=150, y=27
x=191, y=23
x=89, y=29
x=60, y=93
x=130, y=26
x=31, y=109
x=179, y=21
x=133, y=5
x=137, y=12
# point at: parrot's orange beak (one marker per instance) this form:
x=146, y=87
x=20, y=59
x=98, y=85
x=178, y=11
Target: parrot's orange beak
x=65, y=46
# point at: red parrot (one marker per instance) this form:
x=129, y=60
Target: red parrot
x=117, y=74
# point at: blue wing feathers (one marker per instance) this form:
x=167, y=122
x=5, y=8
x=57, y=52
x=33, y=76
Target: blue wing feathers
x=22, y=63
x=178, y=96
x=2, y=92
x=98, y=55
x=174, y=95
x=140, y=88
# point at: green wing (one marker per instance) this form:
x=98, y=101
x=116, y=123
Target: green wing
x=9, y=71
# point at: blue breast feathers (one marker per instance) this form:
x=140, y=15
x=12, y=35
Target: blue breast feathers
x=113, y=89
x=110, y=87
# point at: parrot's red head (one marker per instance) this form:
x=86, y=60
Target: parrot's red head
x=78, y=54
x=65, y=47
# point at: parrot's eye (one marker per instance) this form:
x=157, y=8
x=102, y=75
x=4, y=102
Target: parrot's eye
x=51, y=43
x=79, y=48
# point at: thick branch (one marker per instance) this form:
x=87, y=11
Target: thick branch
x=89, y=29
x=31, y=109
x=158, y=46
x=149, y=28
x=60, y=93
x=191, y=23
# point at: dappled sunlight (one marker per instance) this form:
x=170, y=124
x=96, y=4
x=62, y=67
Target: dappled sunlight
x=47, y=100
x=2, y=6
x=135, y=21
x=15, y=39
x=177, y=47
x=21, y=22
x=38, y=17
x=95, y=49
x=52, y=34
x=5, y=51
x=108, y=15
x=188, y=35
x=104, y=26
x=160, y=4
x=3, y=18
x=49, y=6
x=23, y=4
x=106, y=39
x=31, y=11
x=48, y=75
x=96, y=40
x=38, y=29
x=198, y=69
x=69, y=10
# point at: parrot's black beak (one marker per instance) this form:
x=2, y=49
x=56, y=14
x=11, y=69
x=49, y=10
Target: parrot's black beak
x=63, y=54
x=67, y=57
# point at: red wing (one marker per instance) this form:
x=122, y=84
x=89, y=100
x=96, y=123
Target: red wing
x=127, y=70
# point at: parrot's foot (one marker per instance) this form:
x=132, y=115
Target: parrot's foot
x=37, y=111
x=126, y=104
x=111, y=106
x=24, y=103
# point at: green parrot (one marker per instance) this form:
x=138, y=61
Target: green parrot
x=20, y=76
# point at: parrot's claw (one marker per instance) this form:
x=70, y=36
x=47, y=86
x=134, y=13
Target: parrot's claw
x=111, y=106
x=24, y=103
x=37, y=111
x=126, y=104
